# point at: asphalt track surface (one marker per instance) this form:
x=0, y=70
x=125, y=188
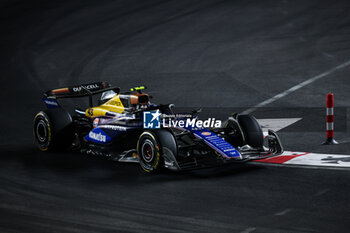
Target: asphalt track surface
x=212, y=54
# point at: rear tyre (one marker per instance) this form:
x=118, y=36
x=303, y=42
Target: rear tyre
x=53, y=130
x=252, y=130
x=149, y=152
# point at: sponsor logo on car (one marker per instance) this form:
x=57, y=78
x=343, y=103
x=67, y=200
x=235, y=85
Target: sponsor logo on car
x=91, y=86
x=114, y=127
x=206, y=133
x=51, y=102
x=91, y=111
x=151, y=119
x=116, y=103
x=95, y=122
x=97, y=136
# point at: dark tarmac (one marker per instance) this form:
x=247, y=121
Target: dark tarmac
x=219, y=55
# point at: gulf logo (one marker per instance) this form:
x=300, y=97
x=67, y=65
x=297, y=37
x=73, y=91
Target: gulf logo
x=95, y=122
x=206, y=133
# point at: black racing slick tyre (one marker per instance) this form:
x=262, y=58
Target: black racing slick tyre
x=53, y=130
x=233, y=133
x=252, y=130
x=149, y=152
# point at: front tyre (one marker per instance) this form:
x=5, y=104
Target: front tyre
x=252, y=130
x=148, y=152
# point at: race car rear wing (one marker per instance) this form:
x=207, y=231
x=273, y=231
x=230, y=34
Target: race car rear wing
x=81, y=91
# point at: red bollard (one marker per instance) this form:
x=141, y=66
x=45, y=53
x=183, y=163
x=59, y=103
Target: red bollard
x=330, y=121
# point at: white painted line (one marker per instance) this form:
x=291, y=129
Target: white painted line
x=283, y=212
x=344, y=140
x=321, y=192
x=276, y=124
x=296, y=87
x=248, y=230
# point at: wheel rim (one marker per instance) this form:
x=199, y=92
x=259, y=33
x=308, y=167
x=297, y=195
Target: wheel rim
x=147, y=150
x=41, y=131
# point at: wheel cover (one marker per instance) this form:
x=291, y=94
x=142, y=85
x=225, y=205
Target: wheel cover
x=41, y=131
x=147, y=151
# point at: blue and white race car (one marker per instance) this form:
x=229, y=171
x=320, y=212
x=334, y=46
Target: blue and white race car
x=127, y=127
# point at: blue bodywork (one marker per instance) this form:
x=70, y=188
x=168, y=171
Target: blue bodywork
x=105, y=134
x=97, y=135
x=217, y=143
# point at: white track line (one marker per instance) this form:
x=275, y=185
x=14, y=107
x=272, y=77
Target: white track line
x=276, y=124
x=295, y=88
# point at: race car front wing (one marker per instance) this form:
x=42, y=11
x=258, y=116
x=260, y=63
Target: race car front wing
x=197, y=157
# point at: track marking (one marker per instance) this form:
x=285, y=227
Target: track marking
x=315, y=159
x=276, y=124
x=296, y=87
x=281, y=159
x=344, y=140
x=321, y=192
x=283, y=212
x=248, y=230
x=309, y=159
x=303, y=166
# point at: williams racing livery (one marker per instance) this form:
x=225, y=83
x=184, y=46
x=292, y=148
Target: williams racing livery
x=127, y=127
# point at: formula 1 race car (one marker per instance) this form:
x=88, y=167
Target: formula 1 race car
x=127, y=127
